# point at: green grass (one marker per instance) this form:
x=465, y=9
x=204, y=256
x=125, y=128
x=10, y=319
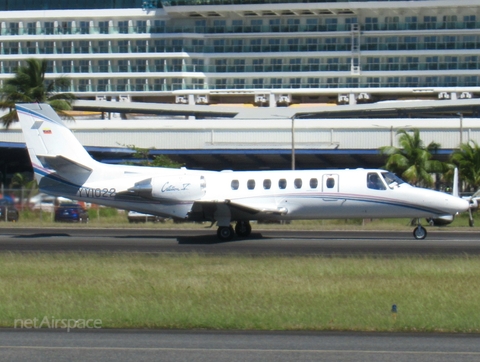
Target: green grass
x=235, y=292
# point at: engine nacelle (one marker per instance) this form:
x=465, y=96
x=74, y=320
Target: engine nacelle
x=178, y=187
x=171, y=188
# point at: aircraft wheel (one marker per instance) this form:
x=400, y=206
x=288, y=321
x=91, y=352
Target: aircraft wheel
x=243, y=228
x=419, y=232
x=225, y=233
x=471, y=223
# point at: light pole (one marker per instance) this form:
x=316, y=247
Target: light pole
x=461, y=127
x=293, y=142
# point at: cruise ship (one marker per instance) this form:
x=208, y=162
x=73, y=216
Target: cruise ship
x=249, y=52
x=270, y=58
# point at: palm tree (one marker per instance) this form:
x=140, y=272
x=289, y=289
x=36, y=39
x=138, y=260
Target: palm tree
x=25, y=187
x=29, y=85
x=158, y=160
x=413, y=161
x=467, y=159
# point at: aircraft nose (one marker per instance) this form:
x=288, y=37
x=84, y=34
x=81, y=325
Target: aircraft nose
x=457, y=204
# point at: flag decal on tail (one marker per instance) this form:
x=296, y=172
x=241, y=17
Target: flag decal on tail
x=47, y=131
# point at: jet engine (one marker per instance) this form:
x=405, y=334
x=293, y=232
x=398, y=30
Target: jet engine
x=172, y=188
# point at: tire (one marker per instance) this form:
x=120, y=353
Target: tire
x=419, y=232
x=243, y=228
x=225, y=233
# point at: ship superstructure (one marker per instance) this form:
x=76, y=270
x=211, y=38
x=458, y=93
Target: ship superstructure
x=263, y=53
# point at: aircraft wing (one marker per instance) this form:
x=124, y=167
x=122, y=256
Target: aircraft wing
x=236, y=209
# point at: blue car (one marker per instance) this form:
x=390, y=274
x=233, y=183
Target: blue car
x=8, y=212
x=71, y=213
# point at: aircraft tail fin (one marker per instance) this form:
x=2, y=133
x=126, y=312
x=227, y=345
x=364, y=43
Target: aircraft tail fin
x=52, y=147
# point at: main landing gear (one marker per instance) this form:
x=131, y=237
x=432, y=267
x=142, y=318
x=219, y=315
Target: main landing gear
x=242, y=228
x=225, y=233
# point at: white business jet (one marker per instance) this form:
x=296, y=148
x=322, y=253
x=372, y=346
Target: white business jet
x=64, y=168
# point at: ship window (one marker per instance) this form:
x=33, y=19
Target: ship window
x=313, y=183
x=103, y=85
x=49, y=27
x=235, y=184
x=14, y=28
x=123, y=27
x=84, y=27
x=103, y=27
x=141, y=26
x=330, y=183
x=282, y=183
x=251, y=184
x=267, y=184
x=298, y=183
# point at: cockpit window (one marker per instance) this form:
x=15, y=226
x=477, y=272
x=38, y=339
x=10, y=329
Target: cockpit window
x=391, y=179
x=374, y=181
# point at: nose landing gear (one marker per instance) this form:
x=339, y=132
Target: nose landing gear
x=419, y=232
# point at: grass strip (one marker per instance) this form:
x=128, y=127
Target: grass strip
x=438, y=294
x=112, y=218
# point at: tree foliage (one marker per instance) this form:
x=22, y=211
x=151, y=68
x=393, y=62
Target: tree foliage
x=156, y=161
x=413, y=161
x=29, y=85
x=467, y=159
x=25, y=187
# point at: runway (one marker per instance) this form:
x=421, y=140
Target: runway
x=204, y=345
x=263, y=242
x=142, y=345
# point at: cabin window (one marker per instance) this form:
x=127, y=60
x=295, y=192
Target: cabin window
x=267, y=184
x=282, y=183
x=330, y=183
x=313, y=183
x=374, y=182
x=250, y=184
x=298, y=183
x=235, y=184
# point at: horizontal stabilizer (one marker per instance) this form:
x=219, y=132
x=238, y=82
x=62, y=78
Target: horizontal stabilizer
x=66, y=168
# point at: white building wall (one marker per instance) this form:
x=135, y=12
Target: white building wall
x=233, y=134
